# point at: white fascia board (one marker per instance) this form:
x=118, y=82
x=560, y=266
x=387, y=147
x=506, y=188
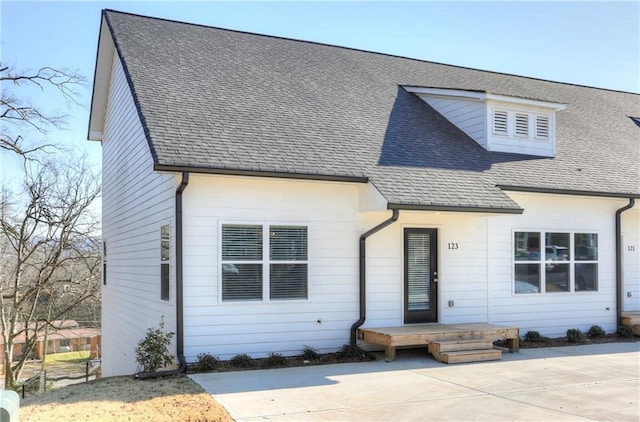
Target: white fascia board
x=101, y=82
x=526, y=102
x=95, y=135
x=482, y=96
x=447, y=93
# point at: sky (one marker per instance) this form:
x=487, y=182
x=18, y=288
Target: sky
x=586, y=43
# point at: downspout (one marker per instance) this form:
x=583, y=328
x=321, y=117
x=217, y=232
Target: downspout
x=363, y=271
x=179, y=291
x=631, y=204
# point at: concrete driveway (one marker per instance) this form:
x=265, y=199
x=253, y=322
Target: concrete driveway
x=593, y=382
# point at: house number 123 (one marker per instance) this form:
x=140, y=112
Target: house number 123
x=452, y=245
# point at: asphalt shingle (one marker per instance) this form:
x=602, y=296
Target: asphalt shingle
x=218, y=99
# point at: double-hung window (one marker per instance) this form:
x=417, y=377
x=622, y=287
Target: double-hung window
x=264, y=262
x=553, y=262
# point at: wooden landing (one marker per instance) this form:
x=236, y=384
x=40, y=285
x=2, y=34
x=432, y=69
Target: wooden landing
x=425, y=334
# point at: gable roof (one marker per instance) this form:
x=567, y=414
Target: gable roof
x=220, y=101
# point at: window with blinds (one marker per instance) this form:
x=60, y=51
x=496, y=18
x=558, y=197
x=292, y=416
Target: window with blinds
x=261, y=259
x=418, y=271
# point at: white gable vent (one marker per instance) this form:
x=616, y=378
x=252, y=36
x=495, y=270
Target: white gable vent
x=498, y=123
x=522, y=125
x=542, y=127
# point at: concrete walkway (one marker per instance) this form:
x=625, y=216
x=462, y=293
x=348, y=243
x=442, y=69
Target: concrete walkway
x=594, y=382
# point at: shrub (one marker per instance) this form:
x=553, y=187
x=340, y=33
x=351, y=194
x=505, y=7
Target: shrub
x=574, y=335
x=309, y=353
x=533, y=336
x=350, y=351
x=241, y=361
x=207, y=362
x=274, y=360
x=152, y=352
x=624, y=331
x=596, y=331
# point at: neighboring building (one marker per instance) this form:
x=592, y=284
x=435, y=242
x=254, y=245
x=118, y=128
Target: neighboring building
x=62, y=336
x=240, y=171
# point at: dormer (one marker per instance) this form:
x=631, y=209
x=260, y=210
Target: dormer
x=498, y=123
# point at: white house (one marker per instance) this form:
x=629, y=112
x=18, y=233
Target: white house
x=264, y=194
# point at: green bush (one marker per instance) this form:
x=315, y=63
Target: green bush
x=207, y=362
x=274, y=360
x=241, y=361
x=624, y=331
x=596, y=331
x=533, y=336
x=309, y=353
x=574, y=335
x=152, y=352
x=350, y=351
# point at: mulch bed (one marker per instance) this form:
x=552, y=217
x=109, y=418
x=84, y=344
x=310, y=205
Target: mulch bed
x=562, y=341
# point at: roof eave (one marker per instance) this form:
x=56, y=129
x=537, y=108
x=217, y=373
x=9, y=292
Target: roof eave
x=454, y=208
x=530, y=189
x=261, y=173
x=101, y=81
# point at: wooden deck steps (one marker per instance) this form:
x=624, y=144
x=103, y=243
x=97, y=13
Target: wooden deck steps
x=464, y=342
x=464, y=351
x=632, y=319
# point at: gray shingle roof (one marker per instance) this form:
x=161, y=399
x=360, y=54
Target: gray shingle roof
x=218, y=99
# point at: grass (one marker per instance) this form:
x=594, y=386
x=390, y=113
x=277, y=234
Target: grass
x=69, y=357
x=123, y=398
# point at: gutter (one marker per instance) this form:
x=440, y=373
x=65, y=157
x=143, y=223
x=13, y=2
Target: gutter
x=179, y=291
x=446, y=208
x=567, y=192
x=363, y=271
x=619, y=212
x=260, y=173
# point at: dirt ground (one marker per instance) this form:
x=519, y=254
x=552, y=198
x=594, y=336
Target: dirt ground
x=125, y=399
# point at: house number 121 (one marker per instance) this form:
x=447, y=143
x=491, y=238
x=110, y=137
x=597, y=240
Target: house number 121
x=452, y=245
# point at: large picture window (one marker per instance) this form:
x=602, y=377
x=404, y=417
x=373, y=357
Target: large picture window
x=264, y=261
x=555, y=262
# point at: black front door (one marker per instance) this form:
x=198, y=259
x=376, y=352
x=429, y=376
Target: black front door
x=420, y=276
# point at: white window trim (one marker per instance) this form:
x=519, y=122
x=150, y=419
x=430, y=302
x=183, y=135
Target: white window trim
x=266, y=299
x=572, y=261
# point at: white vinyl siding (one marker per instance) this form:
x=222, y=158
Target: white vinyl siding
x=329, y=213
x=469, y=116
x=553, y=314
x=136, y=201
x=631, y=259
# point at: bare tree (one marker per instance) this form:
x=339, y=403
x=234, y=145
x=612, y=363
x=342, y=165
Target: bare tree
x=52, y=256
x=18, y=114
